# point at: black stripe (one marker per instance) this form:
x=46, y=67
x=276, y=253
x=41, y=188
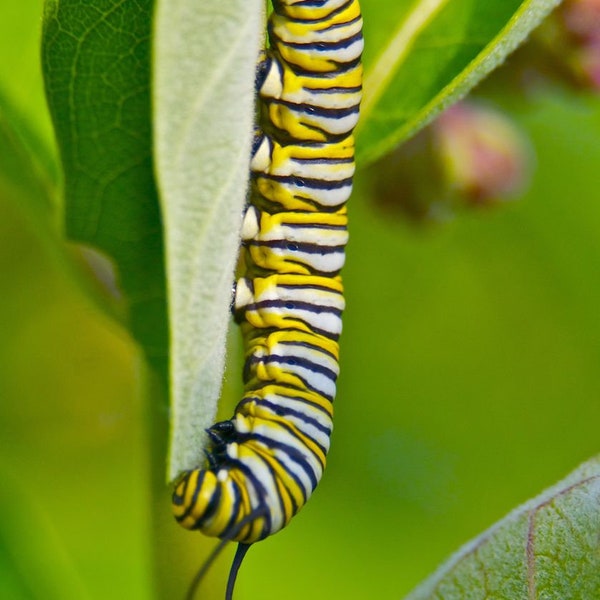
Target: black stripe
x=330, y=20
x=328, y=138
x=269, y=205
x=312, y=183
x=278, y=5
x=192, y=504
x=317, y=225
x=310, y=286
x=241, y=407
x=260, y=492
x=310, y=346
x=316, y=4
x=293, y=361
x=304, y=363
x=295, y=305
x=310, y=268
x=283, y=411
x=254, y=385
x=303, y=247
x=328, y=113
x=323, y=160
x=334, y=89
x=321, y=46
x=341, y=67
x=339, y=24
x=290, y=430
x=286, y=386
x=303, y=386
x=306, y=286
x=293, y=454
x=211, y=508
x=276, y=479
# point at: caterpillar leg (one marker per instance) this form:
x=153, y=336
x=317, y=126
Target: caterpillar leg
x=269, y=75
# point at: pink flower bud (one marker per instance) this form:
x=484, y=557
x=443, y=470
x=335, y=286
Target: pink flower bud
x=582, y=18
x=484, y=156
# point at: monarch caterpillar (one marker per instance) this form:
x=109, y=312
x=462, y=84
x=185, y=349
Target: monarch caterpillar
x=265, y=462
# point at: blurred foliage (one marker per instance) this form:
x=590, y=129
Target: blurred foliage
x=472, y=156
x=469, y=383
x=424, y=55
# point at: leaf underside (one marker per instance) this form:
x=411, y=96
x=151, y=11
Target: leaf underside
x=548, y=548
x=204, y=115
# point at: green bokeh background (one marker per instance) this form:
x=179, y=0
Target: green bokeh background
x=469, y=383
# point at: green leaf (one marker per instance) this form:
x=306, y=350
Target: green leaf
x=27, y=172
x=428, y=54
x=20, y=72
x=96, y=62
x=548, y=548
x=205, y=57
x=34, y=562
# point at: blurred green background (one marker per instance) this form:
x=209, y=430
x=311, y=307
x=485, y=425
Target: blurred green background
x=469, y=383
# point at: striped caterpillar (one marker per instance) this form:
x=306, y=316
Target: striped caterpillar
x=265, y=462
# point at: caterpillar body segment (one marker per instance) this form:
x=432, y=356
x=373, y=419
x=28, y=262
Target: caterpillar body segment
x=278, y=81
x=265, y=462
x=312, y=97
x=294, y=243
x=312, y=123
x=332, y=161
x=304, y=177
x=308, y=304
x=317, y=39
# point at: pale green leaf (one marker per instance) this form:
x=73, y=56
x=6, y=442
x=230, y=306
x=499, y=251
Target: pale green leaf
x=20, y=72
x=427, y=55
x=205, y=58
x=548, y=548
x=37, y=565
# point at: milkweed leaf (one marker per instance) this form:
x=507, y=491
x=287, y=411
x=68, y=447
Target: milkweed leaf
x=204, y=112
x=20, y=71
x=28, y=179
x=548, y=548
x=426, y=55
x=96, y=63
x=26, y=170
x=36, y=564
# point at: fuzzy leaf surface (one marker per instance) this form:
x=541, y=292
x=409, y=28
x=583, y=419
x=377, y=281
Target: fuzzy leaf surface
x=204, y=114
x=548, y=548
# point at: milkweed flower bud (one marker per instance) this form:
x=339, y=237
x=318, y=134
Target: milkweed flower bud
x=484, y=156
x=581, y=19
x=568, y=44
x=589, y=58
